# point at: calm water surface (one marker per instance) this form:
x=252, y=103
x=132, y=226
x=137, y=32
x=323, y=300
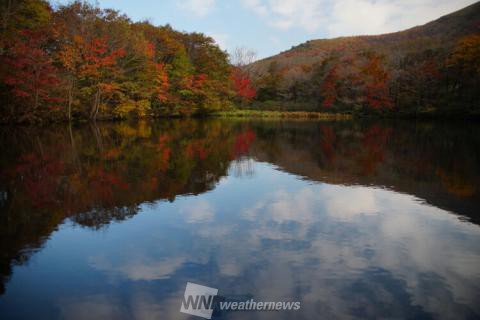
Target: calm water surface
x=354, y=220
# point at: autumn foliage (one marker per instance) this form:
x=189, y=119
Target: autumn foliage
x=242, y=84
x=30, y=74
x=79, y=61
x=427, y=70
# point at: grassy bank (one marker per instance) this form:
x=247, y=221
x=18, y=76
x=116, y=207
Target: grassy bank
x=282, y=114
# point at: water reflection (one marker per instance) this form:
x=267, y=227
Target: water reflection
x=356, y=220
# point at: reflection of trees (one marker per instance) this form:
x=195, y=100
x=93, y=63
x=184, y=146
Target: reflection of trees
x=98, y=174
x=435, y=162
x=244, y=167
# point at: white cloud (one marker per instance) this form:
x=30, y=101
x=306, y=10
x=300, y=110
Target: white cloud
x=346, y=203
x=198, y=7
x=220, y=38
x=198, y=211
x=351, y=17
x=139, y=269
x=256, y=6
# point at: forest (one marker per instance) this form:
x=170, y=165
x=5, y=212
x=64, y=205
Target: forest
x=78, y=61
x=429, y=69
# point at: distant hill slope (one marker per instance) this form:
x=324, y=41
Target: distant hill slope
x=300, y=74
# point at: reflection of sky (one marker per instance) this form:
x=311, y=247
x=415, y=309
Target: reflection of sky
x=343, y=251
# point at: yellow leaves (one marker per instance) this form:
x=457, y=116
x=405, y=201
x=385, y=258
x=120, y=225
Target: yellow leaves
x=466, y=54
x=141, y=108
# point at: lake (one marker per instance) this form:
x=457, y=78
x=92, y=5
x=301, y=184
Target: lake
x=351, y=219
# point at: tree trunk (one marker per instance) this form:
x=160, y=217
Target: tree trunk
x=96, y=105
x=70, y=98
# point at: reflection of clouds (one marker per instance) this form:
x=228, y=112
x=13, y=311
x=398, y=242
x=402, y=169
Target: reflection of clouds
x=140, y=305
x=147, y=306
x=345, y=203
x=93, y=307
x=424, y=251
x=283, y=207
x=337, y=249
x=139, y=269
x=198, y=211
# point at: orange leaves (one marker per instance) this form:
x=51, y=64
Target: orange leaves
x=70, y=54
x=194, y=82
x=161, y=82
x=150, y=50
x=99, y=58
x=376, y=88
x=108, y=87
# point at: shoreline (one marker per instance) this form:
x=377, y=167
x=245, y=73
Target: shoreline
x=259, y=114
x=271, y=114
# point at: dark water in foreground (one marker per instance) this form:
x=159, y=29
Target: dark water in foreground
x=354, y=220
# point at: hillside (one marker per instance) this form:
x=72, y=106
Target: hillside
x=399, y=71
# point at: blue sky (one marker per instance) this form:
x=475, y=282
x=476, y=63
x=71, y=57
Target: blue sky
x=271, y=26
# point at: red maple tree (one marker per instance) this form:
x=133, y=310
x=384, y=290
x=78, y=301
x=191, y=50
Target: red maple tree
x=242, y=84
x=30, y=72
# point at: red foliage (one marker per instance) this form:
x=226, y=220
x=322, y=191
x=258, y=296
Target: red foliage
x=243, y=142
x=99, y=59
x=376, y=88
x=377, y=95
x=30, y=72
x=194, y=148
x=103, y=184
x=242, y=84
x=41, y=178
x=374, y=142
x=329, y=91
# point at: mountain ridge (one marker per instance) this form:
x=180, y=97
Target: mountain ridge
x=470, y=12
x=433, y=68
